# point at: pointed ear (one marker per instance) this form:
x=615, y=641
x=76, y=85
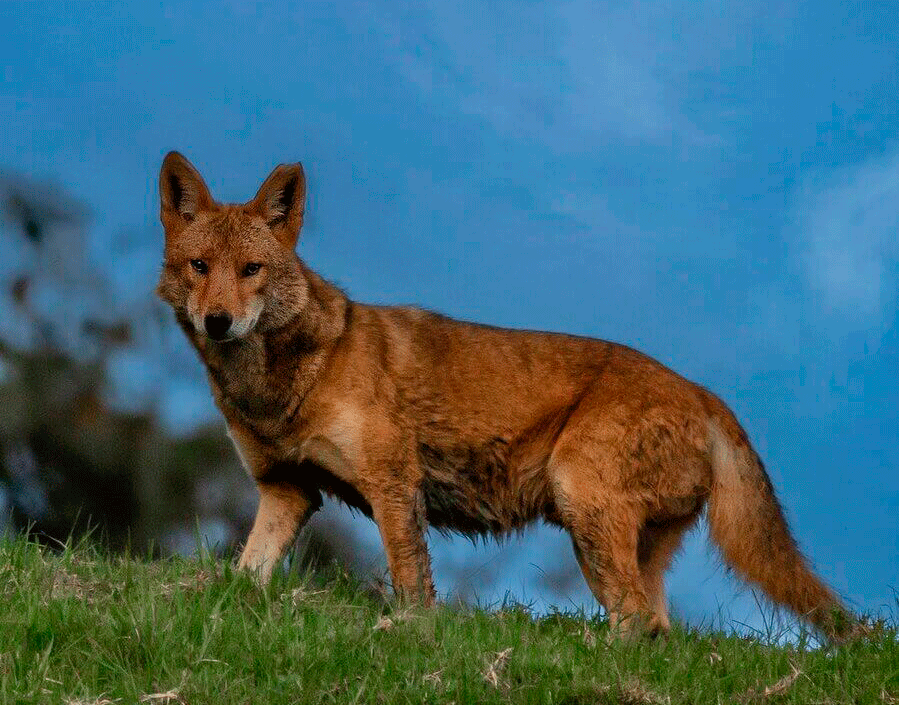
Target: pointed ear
x=182, y=192
x=281, y=201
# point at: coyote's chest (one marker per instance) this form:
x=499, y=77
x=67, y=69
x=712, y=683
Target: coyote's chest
x=257, y=389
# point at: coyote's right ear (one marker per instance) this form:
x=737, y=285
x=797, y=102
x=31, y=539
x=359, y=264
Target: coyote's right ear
x=182, y=192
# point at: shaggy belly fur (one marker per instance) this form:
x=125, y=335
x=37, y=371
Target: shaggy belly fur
x=481, y=491
x=466, y=490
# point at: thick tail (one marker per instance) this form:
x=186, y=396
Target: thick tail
x=746, y=521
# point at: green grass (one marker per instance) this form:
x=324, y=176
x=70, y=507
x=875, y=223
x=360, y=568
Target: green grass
x=77, y=626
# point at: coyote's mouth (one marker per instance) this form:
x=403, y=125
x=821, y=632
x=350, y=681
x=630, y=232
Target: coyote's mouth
x=222, y=328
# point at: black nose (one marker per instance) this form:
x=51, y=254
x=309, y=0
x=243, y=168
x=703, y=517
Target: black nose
x=217, y=325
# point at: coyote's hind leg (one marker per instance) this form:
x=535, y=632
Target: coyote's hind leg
x=604, y=527
x=656, y=547
x=605, y=544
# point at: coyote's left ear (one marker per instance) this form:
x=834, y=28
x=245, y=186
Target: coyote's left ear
x=281, y=201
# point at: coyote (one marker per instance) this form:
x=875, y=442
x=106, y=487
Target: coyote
x=420, y=420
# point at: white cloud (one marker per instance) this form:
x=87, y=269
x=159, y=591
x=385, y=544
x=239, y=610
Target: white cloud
x=559, y=73
x=574, y=75
x=848, y=235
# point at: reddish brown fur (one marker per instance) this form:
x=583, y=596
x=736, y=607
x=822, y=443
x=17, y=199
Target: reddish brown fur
x=421, y=420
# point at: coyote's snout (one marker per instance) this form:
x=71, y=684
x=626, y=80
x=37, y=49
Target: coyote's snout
x=417, y=420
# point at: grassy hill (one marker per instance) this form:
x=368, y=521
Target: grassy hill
x=77, y=626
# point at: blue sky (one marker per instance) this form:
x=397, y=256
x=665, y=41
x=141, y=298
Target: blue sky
x=714, y=183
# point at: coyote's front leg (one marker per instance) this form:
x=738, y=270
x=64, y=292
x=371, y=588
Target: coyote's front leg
x=400, y=515
x=283, y=510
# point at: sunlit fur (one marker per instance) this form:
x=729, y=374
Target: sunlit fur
x=419, y=420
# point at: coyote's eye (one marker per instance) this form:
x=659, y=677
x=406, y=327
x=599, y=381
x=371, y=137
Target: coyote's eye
x=199, y=265
x=251, y=269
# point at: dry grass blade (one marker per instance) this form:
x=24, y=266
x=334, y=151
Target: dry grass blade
x=635, y=693
x=383, y=624
x=192, y=583
x=66, y=584
x=888, y=699
x=433, y=678
x=167, y=697
x=303, y=595
x=778, y=688
x=784, y=683
x=99, y=701
x=495, y=669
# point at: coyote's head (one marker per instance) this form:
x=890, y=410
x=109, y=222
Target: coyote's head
x=231, y=269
